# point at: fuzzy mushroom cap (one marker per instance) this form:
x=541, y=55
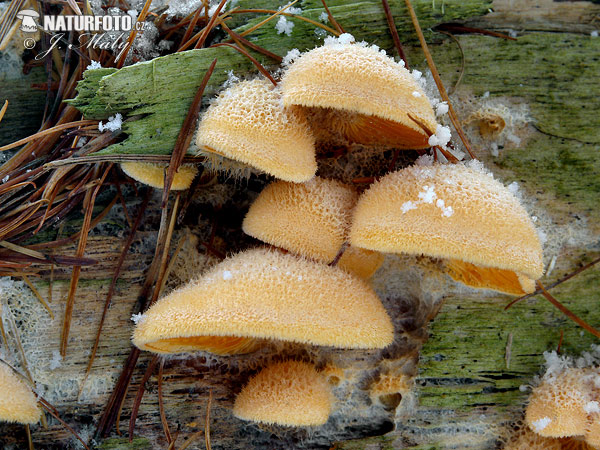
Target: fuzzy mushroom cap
x=557, y=407
x=363, y=81
x=17, y=402
x=311, y=219
x=153, y=174
x=452, y=212
x=263, y=294
x=290, y=393
x=248, y=123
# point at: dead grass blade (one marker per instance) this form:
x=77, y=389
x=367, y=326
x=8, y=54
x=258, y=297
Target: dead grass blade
x=331, y=18
x=393, y=31
x=53, y=412
x=211, y=25
x=258, y=65
x=438, y=80
x=47, y=132
x=140, y=394
x=161, y=406
x=185, y=134
x=3, y=110
x=207, y=422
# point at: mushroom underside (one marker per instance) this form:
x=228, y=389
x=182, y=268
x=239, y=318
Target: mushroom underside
x=501, y=280
x=364, y=129
x=219, y=345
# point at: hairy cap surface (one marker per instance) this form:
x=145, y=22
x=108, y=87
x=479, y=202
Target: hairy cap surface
x=17, y=402
x=248, y=123
x=310, y=219
x=263, y=294
x=364, y=81
x=452, y=212
x=290, y=393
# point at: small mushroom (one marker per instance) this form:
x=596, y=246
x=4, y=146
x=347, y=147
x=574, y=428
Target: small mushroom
x=557, y=407
x=263, y=294
x=310, y=219
x=359, y=94
x=28, y=17
x=247, y=125
x=17, y=402
x=456, y=213
x=290, y=393
x=153, y=174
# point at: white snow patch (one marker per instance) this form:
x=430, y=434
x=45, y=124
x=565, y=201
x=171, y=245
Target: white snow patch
x=591, y=407
x=551, y=266
x=441, y=137
x=284, y=26
x=417, y=74
x=346, y=38
x=513, y=188
x=291, y=56
x=447, y=211
x=231, y=79
x=324, y=17
x=513, y=138
x=494, y=150
x=512, y=33
x=594, y=33
x=135, y=318
x=93, y=65
x=114, y=123
x=227, y=275
x=424, y=160
x=441, y=108
x=407, y=206
x=417, y=94
x=540, y=424
x=428, y=195
x=294, y=10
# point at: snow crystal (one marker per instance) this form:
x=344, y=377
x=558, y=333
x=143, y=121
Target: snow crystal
x=416, y=74
x=294, y=10
x=513, y=138
x=594, y=33
x=556, y=363
x=407, y=206
x=542, y=423
x=486, y=94
x=512, y=33
x=494, y=149
x=542, y=236
x=114, y=123
x=6, y=178
x=135, y=318
x=441, y=108
x=591, y=407
x=447, y=211
x=320, y=32
x=523, y=388
x=93, y=65
x=231, y=79
x=416, y=94
x=513, y=188
x=291, y=56
x=346, y=38
x=428, y=195
x=477, y=166
x=227, y=275
x=441, y=137
x=56, y=360
x=284, y=26
x=551, y=266
x=133, y=13
x=324, y=17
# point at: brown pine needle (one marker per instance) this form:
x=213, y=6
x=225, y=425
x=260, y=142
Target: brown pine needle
x=438, y=80
x=141, y=18
x=161, y=406
x=191, y=26
x=243, y=41
x=47, y=132
x=52, y=411
x=331, y=18
x=556, y=283
x=29, y=440
x=268, y=19
x=567, y=312
x=393, y=31
x=184, y=138
x=258, y=65
x=3, y=110
x=140, y=394
x=295, y=16
x=339, y=255
x=207, y=422
x=38, y=295
x=210, y=25
x=191, y=439
x=85, y=229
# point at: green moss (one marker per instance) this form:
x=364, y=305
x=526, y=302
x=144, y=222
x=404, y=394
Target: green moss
x=124, y=444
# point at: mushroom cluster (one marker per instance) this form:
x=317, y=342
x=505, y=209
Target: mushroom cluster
x=312, y=288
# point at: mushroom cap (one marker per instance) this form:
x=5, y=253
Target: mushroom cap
x=27, y=13
x=291, y=393
x=153, y=174
x=501, y=280
x=557, y=406
x=592, y=431
x=248, y=123
x=364, y=81
x=452, y=212
x=311, y=219
x=17, y=402
x=265, y=294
